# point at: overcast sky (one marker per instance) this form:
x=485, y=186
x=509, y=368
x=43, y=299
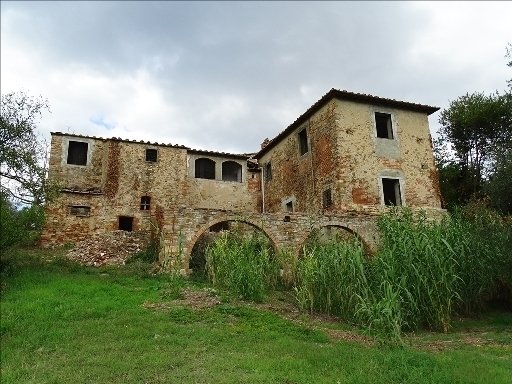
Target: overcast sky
x=225, y=75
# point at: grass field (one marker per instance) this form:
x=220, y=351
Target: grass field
x=62, y=323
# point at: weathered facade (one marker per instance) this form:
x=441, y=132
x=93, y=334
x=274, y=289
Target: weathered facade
x=341, y=162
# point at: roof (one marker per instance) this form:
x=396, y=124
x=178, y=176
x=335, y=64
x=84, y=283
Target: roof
x=350, y=96
x=243, y=156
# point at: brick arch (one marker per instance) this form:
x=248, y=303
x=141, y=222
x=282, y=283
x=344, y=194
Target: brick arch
x=345, y=226
x=206, y=227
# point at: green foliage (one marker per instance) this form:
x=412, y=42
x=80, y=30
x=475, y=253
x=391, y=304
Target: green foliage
x=424, y=272
x=19, y=227
x=23, y=157
x=242, y=264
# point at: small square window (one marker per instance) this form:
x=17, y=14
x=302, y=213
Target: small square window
x=145, y=203
x=383, y=125
x=268, y=171
x=151, y=155
x=289, y=206
x=126, y=223
x=326, y=198
x=391, y=192
x=80, y=210
x=303, y=142
x=77, y=152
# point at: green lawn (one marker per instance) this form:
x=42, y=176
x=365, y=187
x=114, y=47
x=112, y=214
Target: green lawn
x=61, y=323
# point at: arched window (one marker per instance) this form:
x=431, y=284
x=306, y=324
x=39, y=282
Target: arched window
x=205, y=169
x=231, y=171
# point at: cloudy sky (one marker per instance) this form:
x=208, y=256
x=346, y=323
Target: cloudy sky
x=225, y=75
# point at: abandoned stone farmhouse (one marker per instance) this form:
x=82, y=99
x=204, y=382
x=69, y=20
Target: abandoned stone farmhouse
x=340, y=164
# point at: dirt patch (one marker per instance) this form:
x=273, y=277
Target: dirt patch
x=205, y=298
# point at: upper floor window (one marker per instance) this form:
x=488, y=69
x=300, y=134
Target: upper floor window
x=77, y=152
x=80, y=210
x=383, y=125
x=231, y=171
x=268, y=171
x=151, y=155
x=205, y=169
x=145, y=203
x=303, y=142
x=391, y=191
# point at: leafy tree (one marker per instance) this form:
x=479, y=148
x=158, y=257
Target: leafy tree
x=509, y=56
x=475, y=130
x=22, y=154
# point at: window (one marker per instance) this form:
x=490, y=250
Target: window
x=303, y=142
x=126, y=223
x=391, y=192
x=77, y=152
x=326, y=198
x=289, y=206
x=383, y=125
x=145, y=202
x=268, y=171
x=80, y=210
x=151, y=155
x=205, y=169
x=231, y=171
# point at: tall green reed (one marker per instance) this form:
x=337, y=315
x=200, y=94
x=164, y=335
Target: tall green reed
x=243, y=264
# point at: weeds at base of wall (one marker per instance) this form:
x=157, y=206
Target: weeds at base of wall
x=424, y=273
x=242, y=264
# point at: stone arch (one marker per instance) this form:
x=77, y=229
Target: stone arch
x=205, y=228
x=343, y=226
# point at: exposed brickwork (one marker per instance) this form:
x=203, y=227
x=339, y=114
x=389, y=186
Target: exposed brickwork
x=344, y=156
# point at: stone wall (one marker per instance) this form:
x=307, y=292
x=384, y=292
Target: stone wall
x=346, y=156
x=117, y=176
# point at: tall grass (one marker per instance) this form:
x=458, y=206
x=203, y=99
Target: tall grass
x=424, y=272
x=242, y=264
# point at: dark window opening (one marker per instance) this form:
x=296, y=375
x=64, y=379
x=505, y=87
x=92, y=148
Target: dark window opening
x=268, y=171
x=151, y=155
x=205, y=169
x=391, y=191
x=80, y=210
x=383, y=125
x=289, y=206
x=126, y=223
x=145, y=203
x=303, y=142
x=222, y=226
x=327, y=198
x=231, y=171
x=77, y=152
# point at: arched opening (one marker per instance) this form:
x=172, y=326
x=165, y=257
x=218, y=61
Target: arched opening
x=331, y=233
x=231, y=171
x=205, y=168
x=198, y=255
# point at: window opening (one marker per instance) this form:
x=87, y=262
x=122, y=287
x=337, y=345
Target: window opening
x=231, y=171
x=303, y=142
x=151, y=155
x=77, y=153
x=391, y=191
x=80, y=210
x=126, y=223
x=383, y=125
x=327, y=198
x=205, y=169
x=268, y=171
x=289, y=206
x=145, y=203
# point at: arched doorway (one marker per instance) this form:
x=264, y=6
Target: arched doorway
x=329, y=233
x=207, y=235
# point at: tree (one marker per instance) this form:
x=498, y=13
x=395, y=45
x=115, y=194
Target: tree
x=509, y=56
x=22, y=154
x=475, y=130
